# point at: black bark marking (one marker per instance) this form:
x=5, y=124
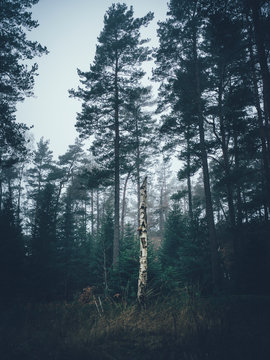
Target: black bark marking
x=143, y=240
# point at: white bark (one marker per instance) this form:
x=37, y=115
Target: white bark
x=142, y=281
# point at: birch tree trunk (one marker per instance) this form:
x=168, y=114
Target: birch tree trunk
x=142, y=281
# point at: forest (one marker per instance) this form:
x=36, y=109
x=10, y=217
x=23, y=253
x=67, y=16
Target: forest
x=70, y=227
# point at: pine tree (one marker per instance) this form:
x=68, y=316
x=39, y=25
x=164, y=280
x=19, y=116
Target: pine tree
x=38, y=178
x=104, y=251
x=16, y=79
x=12, y=252
x=116, y=68
x=180, y=52
x=140, y=143
x=43, y=245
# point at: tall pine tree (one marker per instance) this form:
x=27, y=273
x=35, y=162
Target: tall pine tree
x=116, y=69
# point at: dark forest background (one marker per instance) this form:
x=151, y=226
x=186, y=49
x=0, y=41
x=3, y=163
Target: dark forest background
x=69, y=247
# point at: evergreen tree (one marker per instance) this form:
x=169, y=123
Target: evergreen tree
x=16, y=79
x=43, y=246
x=75, y=252
x=116, y=68
x=102, y=265
x=180, y=53
x=11, y=252
x=140, y=143
x=184, y=253
x=38, y=177
x=125, y=276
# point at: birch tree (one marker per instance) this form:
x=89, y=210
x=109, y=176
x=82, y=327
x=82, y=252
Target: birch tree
x=142, y=281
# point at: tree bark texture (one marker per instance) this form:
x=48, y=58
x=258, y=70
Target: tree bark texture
x=142, y=281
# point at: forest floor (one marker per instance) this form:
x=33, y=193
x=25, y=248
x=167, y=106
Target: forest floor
x=221, y=328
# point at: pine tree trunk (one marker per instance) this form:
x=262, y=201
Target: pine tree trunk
x=216, y=272
x=106, y=288
x=161, y=212
x=239, y=206
x=98, y=211
x=57, y=201
x=245, y=206
x=116, y=170
x=138, y=175
x=190, y=206
x=138, y=197
x=124, y=206
x=225, y=154
x=142, y=281
x=263, y=134
x=1, y=194
x=18, y=211
x=92, y=211
x=259, y=39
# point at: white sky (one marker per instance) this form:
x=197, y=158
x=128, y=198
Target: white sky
x=69, y=29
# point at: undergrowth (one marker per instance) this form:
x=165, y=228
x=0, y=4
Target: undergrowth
x=178, y=327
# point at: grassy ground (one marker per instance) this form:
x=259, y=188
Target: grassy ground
x=174, y=328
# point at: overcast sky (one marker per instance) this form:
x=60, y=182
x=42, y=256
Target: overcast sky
x=69, y=29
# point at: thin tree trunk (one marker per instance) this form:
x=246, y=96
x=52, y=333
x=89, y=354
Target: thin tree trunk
x=165, y=197
x=245, y=202
x=117, y=169
x=138, y=175
x=262, y=132
x=259, y=39
x=1, y=193
x=124, y=206
x=1, y=184
x=98, y=211
x=190, y=207
x=18, y=211
x=85, y=219
x=161, y=212
x=57, y=201
x=142, y=281
x=138, y=199
x=216, y=273
x=239, y=206
x=105, y=271
x=224, y=147
x=92, y=211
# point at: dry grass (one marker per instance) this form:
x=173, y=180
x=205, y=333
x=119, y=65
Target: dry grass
x=189, y=329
